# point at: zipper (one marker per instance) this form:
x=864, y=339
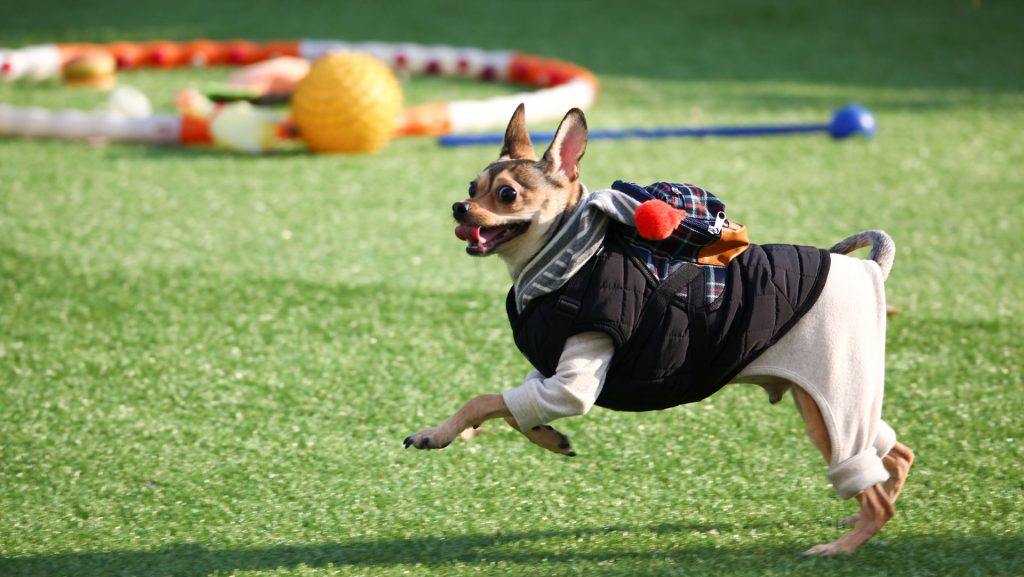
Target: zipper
x=716, y=228
x=700, y=228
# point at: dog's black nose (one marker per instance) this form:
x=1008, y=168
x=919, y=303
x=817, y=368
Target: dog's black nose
x=460, y=209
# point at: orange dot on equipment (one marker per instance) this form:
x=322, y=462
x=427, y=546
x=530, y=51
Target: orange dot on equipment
x=127, y=54
x=206, y=53
x=165, y=54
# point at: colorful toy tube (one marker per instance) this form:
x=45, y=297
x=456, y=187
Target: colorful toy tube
x=101, y=125
x=560, y=85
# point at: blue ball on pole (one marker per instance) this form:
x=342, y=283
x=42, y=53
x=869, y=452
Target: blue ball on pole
x=851, y=120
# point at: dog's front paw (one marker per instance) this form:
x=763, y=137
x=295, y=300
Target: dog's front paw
x=428, y=439
x=552, y=440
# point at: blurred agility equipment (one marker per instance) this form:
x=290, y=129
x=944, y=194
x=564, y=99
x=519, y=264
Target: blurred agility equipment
x=555, y=85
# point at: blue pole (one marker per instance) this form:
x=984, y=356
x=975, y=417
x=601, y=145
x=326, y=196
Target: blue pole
x=847, y=121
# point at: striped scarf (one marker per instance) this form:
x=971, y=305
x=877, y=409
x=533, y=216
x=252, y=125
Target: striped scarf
x=572, y=245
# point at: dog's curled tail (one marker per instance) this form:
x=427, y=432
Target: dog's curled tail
x=883, y=249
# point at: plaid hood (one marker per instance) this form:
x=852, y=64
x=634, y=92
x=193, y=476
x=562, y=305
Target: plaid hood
x=582, y=235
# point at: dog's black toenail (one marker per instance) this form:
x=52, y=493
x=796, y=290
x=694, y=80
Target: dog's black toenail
x=564, y=445
x=571, y=454
x=407, y=441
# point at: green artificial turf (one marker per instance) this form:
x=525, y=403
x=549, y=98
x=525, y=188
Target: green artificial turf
x=208, y=361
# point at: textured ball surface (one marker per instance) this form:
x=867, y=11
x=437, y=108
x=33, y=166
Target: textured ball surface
x=349, y=102
x=655, y=219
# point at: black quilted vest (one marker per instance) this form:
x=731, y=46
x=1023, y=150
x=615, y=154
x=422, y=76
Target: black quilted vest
x=669, y=351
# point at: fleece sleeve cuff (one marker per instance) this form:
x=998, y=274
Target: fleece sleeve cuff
x=857, y=473
x=885, y=439
x=572, y=390
x=521, y=404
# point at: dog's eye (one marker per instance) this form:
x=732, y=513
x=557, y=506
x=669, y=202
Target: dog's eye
x=507, y=194
x=472, y=189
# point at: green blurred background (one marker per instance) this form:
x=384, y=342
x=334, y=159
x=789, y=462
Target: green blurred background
x=208, y=361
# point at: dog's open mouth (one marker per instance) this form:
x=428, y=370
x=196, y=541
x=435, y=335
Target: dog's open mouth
x=482, y=241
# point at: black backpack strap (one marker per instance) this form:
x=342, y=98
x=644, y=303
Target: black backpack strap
x=571, y=299
x=658, y=302
x=696, y=310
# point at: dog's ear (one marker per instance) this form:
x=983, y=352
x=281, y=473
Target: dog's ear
x=568, y=146
x=517, y=143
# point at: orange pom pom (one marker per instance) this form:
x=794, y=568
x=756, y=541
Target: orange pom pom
x=656, y=219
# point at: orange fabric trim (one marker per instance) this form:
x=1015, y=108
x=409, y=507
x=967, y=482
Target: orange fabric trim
x=733, y=242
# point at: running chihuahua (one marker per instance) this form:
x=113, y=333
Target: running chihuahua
x=600, y=329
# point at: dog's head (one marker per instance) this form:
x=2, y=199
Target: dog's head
x=517, y=201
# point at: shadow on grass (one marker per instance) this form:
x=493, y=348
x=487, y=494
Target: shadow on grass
x=987, y=555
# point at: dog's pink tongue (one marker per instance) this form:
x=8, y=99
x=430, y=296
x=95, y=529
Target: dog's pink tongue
x=468, y=233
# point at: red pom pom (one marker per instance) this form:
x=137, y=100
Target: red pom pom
x=656, y=219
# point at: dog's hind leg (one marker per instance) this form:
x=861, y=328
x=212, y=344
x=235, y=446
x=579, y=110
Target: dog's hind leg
x=897, y=462
x=875, y=506
x=816, y=429
x=875, y=511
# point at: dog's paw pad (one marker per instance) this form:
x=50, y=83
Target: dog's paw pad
x=825, y=550
x=470, y=434
x=417, y=442
x=548, y=437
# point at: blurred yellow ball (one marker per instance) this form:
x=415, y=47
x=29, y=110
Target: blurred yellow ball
x=349, y=102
